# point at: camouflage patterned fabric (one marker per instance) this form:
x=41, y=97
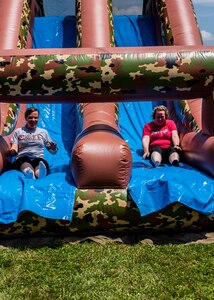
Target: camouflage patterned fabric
x=24, y=25
x=111, y=25
x=78, y=23
x=187, y=118
x=160, y=75
x=109, y=211
x=11, y=119
x=162, y=10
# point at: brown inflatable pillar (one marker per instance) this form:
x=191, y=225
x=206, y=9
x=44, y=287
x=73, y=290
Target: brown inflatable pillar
x=185, y=31
x=208, y=115
x=100, y=158
x=183, y=22
x=198, y=146
x=10, y=19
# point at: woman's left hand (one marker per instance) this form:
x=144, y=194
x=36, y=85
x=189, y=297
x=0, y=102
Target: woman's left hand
x=177, y=147
x=52, y=146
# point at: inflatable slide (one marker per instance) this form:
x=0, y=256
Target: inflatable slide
x=95, y=79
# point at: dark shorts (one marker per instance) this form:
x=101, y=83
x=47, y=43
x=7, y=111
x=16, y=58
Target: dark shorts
x=165, y=153
x=16, y=165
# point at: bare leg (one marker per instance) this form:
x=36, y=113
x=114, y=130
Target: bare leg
x=28, y=170
x=24, y=166
x=37, y=171
x=174, y=159
x=156, y=158
x=40, y=170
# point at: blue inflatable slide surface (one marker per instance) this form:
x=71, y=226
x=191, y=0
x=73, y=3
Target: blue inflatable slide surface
x=151, y=188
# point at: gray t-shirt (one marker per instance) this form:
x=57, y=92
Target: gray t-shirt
x=31, y=142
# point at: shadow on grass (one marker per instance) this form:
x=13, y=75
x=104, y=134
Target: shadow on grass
x=165, y=238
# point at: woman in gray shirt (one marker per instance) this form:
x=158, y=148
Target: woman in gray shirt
x=28, y=143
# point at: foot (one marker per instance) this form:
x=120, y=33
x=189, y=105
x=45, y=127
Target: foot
x=158, y=164
x=29, y=173
x=175, y=163
x=42, y=170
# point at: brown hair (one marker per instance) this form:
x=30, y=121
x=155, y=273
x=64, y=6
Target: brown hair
x=158, y=108
x=29, y=111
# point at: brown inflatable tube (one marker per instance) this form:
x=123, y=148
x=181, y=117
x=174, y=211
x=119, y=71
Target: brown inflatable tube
x=100, y=158
x=207, y=115
x=10, y=17
x=185, y=33
x=198, y=147
x=5, y=141
x=199, y=151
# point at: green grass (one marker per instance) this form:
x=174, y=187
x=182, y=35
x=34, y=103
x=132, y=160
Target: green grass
x=110, y=271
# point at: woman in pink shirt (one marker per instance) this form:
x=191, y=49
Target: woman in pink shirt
x=160, y=138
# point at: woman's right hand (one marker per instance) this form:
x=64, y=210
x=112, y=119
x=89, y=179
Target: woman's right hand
x=146, y=154
x=145, y=143
x=13, y=152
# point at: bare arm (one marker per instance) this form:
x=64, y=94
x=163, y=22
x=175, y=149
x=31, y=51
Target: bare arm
x=175, y=140
x=146, y=142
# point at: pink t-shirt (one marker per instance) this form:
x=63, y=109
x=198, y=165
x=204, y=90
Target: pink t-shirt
x=160, y=135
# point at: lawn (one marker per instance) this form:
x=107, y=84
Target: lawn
x=91, y=270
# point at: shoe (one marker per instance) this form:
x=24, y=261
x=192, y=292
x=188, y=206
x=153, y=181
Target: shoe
x=175, y=163
x=29, y=173
x=157, y=164
x=42, y=170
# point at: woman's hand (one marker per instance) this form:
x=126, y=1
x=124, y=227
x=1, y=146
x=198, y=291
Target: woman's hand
x=12, y=152
x=52, y=148
x=146, y=154
x=146, y=142
x=177, y=147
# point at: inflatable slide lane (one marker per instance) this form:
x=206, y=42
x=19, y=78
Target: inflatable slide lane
x=95, y=79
